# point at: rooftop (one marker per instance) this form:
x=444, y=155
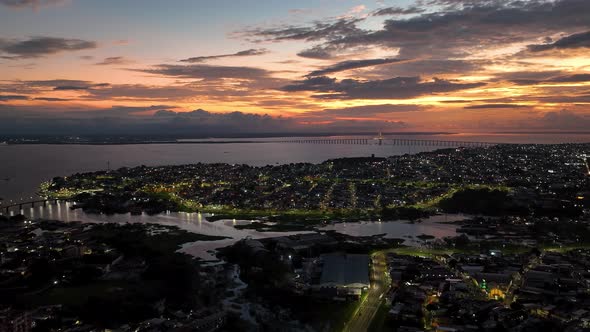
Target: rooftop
x=345, y=269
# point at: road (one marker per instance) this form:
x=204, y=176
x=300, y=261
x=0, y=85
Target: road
x=361, y=319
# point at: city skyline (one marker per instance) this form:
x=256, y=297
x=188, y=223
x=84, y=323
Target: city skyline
x=72, y=67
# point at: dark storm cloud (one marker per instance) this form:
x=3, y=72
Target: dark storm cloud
x=208, y=72
x=493, y=106
x=36, y=47
x=250, y=52
x=12, y=97
x=394, y=88
x=352, y=64
x=578, y=40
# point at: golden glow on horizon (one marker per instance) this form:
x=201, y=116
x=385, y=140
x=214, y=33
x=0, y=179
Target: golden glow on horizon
x=500, y=84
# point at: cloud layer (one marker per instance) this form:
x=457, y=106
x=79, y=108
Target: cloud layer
x=37, y=47
x=441, y=65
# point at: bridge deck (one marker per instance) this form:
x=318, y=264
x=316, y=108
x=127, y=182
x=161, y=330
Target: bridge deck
x=391, y=141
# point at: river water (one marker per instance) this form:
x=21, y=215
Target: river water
x=438, y=226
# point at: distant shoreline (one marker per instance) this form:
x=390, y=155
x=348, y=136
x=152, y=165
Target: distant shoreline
x=133, y=143
x=247, y=139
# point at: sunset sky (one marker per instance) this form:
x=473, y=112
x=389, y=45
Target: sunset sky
x=239, y=66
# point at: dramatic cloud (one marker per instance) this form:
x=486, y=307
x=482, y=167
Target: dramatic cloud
x=564, y=120
x=84, y=91
x=394, y=88
x=574, y=78
x=578, y=40
x=457, y=31
x=367, y=111
x=426, y=64
x=115, y=60
x=208, y=72
x=334, y=29
x=143, y=92
x=571, y=78
x=53, y=84
x=491, y=106
x=428, y=68
x=393, y=11
x=352, y=64
x=250, y=52
x=31, y=3
x=51, y=99
x=41, y=46
x=120, y=120
x=12, y=97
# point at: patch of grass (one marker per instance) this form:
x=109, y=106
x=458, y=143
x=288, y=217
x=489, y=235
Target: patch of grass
x=423, y=252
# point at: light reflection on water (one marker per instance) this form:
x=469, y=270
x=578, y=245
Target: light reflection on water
x=192, y=222
x=439, y=226
x=197, y=223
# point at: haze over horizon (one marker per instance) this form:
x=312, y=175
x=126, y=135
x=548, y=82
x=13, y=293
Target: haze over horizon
x=248, y=67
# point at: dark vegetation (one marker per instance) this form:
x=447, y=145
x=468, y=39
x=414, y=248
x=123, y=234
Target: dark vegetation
x=162, y=276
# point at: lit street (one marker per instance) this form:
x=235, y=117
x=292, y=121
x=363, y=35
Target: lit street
x=361, y=320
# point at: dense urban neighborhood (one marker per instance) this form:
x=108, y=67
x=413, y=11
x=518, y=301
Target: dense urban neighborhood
x=515, y=179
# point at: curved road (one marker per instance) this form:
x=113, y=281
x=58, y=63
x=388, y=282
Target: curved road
x=380, y=283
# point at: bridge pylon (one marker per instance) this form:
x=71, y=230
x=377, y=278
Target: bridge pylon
x=379, y=138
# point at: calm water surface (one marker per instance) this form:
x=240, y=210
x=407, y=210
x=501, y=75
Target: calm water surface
x=197, y=223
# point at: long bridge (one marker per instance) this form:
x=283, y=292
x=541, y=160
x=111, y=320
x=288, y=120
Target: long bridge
x=20, y=205
x=391, y=141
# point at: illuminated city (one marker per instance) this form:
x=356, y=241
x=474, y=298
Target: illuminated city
x=383, y=165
